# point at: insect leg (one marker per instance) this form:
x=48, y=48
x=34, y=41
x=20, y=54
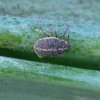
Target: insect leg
x=68, y=37
x=38, y=30
x=31, y=27
x=63, y=36
x=45, y=34
x=54, y=31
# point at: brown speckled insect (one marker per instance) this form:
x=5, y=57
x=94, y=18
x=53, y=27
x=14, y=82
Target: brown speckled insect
x=51, y=46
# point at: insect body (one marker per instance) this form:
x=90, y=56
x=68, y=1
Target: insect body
x=51, y=46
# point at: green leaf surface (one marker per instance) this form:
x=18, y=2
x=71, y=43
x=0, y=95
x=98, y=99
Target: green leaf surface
x=36, y=80
x=84, y=44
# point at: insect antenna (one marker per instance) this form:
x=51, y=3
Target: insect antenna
x=54, y=31
x=63, y=36
x=38, y=30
